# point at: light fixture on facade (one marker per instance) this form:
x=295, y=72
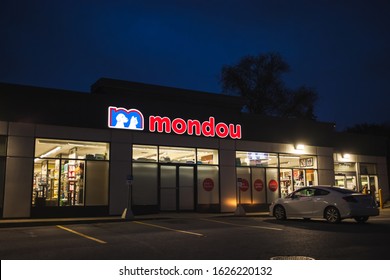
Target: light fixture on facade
x=346, y=156
x=299, y=147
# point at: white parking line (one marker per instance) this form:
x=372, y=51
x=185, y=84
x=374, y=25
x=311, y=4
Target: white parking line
x=82, y=234
x=171, y=229
x=239, y=225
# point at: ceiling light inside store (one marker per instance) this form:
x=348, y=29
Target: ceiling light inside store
x=48, y=153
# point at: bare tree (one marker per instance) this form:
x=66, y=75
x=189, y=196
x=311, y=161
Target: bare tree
x=258, y=79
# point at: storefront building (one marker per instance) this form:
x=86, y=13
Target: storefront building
x=74, y=153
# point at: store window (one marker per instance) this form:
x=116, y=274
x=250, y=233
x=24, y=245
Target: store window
x=256, y=159
x=148, y=153
x=257, y=177
x=295, y=161
x=345, y=175
x=144, y=153
x=70, y=173
x=263, y=177
x=369, y=179
x=208, y=185
x=273, y=185
x=342, y=167
x=346, y=181
x=177, y=155
x=207, y=156
x=297, y=171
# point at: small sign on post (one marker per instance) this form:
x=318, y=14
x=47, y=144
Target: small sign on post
x=128, y=213
x=240, y=211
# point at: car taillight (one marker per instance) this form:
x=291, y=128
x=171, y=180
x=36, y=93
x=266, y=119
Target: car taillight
x=350, y=199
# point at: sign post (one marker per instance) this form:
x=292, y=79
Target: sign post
x=128, y=213
x=240, y=211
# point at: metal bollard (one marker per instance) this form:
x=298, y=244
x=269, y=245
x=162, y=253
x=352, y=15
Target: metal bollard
x=380, y=199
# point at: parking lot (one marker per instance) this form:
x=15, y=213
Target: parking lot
x=196, y=236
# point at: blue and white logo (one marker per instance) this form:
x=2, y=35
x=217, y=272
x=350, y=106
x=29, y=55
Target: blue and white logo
x=119, y=117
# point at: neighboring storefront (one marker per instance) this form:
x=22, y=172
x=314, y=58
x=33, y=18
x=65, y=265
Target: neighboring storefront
x=361, y=173
x=198, y=152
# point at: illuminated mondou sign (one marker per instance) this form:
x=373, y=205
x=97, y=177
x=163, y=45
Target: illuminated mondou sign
x=133, y=119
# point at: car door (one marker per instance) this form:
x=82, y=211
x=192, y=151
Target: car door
x=320, y=201
x=300, y=203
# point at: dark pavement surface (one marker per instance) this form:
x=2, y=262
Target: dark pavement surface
x=23, y=222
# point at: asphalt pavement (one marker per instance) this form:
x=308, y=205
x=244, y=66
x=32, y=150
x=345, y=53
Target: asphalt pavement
x=23, y=222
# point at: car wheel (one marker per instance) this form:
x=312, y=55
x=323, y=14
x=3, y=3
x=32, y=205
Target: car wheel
x=332, y=215
x=361, y=219
x=279, y=212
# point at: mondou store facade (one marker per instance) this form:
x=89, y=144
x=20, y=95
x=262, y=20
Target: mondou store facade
x=66, y=153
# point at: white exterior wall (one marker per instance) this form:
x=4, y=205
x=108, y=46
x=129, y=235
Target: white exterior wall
x=227, y=169
x=20, y=154
x=3, y=128
x=120, y=167
x=19, y=171
x=20, y=164
x=75, y=133
x=381, y=169
x=383, y=179
x=325, y=166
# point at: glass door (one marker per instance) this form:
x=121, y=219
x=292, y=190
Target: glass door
x=186, y=188
x=168, y=188
x=177, y=187
x=369, y=185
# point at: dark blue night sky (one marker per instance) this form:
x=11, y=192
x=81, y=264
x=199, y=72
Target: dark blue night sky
x=340, y=48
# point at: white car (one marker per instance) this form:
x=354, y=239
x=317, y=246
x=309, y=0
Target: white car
x=328, y=202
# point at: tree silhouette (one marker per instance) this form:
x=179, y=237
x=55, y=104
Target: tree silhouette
x=258, y=79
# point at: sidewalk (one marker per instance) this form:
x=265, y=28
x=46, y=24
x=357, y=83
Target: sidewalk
x=24, y=222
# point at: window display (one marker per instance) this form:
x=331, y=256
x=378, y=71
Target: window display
x=180, y=155
x=295, y=171
x=144, y=153
x=59, y=170
x=177, y=155
x=258, y=159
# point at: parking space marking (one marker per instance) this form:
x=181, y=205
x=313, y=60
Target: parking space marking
x=82, y=235
x=171, y=229
x=239, y=225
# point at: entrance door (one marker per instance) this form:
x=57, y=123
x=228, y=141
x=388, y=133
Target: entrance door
x=177, y=188
x=370, y=185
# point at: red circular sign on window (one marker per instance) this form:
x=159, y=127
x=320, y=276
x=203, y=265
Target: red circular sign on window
x=244, y=185
x=273, y=185
x=208, y=184
x=258, y=185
